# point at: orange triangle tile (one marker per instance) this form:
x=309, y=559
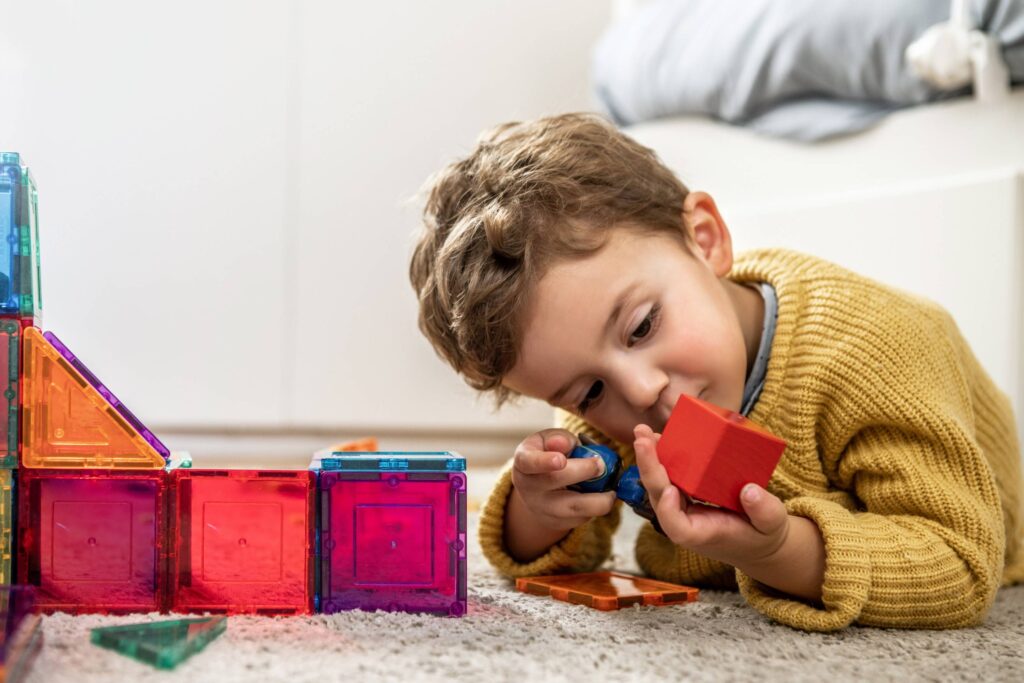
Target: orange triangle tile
x=66, y=422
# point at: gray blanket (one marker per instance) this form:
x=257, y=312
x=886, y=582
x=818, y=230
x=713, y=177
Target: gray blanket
x=800, y=69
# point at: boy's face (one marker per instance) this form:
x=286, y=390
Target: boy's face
x=618, y=335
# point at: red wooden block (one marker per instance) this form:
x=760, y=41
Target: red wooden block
x=711, y=453
x=242, y=541
x=92, y=540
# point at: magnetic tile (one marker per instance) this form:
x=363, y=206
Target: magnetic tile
x=389, y=461
x=10, y=355
x=6, y=526
x=163, y=644
x=393, y=540
x=67, y=423
x=92, y=540
x=607, y=590
x=243, y=541
x=20, y=293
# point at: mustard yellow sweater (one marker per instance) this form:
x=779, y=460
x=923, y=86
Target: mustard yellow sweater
x=900, y=449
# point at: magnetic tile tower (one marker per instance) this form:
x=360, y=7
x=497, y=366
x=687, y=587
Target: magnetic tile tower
x=97, y=516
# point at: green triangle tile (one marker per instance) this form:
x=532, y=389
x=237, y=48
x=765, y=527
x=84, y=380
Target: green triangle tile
x=163, y=644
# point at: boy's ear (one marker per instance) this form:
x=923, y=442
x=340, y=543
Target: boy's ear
x=708, y=232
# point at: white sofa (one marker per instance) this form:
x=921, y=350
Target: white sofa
x=931, y=200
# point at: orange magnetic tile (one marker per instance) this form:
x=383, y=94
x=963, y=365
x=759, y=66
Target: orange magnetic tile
x=364, y=445
x=607, y=590
x=66, y=422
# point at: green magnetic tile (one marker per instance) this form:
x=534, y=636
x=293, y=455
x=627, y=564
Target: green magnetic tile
x=163, y=644
x=10, y=354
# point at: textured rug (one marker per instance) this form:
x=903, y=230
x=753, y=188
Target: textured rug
x=510, y=636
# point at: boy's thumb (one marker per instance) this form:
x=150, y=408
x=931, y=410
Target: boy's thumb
x=767, y=514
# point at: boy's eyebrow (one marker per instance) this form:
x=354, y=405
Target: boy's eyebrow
x=620, y=303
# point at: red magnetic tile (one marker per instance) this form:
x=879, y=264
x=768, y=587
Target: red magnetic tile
x=242, y=542
x=91, y=540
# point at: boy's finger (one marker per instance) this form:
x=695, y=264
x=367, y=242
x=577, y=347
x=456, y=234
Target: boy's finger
x=560, y=440
x=652, y=473
x=538, y=462
x=673, y=519
x=766, y=512
x=581, y=506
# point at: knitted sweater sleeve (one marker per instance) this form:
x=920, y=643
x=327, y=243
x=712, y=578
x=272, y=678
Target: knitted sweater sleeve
x=584, y=549
x=923, y=546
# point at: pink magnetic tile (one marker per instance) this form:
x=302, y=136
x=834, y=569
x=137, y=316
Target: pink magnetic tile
x=243, y=542
x=393, y=541
x=91, y=540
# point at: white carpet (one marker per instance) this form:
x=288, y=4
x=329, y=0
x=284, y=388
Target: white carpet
x=511, y=636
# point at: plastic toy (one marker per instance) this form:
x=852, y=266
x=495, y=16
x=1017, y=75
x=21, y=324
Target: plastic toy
x=10, y=354
x=393, y=532
x=106, y=519
x=626, y=484
x=22, y=635
x=242, y=541
x=67, y=422
x=711, y=453
x=6, y=525
x=607, y=591
x=20, y=295
x=163, y=644
x=92, y=540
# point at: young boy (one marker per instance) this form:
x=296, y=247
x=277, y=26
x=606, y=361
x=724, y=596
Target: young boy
x=561, y=260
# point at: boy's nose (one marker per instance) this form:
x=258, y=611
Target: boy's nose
x=642, y=388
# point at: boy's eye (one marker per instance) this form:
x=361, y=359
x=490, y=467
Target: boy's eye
x=645, y=326
x=593, y=394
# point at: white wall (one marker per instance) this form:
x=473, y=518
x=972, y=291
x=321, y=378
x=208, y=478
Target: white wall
x=224, y=192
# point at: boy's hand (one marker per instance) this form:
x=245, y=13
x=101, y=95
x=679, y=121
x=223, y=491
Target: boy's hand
x=713, y=532
x=540, y=472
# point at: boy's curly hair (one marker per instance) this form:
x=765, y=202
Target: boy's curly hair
x=528, y=195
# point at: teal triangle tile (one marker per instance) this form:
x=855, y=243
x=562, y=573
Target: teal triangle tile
x=163, y=644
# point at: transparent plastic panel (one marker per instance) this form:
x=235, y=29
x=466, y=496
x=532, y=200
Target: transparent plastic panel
x=163, y=644
x=30, y=293
x=22, y=649
x=90, y=541
x=108, y=395
x=607, y=590
x=243, y=542
x=389, y=461
x=394, y=541
x=6, y=526
x=16, y=603
x=67, y=423
x=10, y=351
x=10, y=232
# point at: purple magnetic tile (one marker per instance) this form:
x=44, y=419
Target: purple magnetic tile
x=394, y=541
x=108, y=395
x=16, y=602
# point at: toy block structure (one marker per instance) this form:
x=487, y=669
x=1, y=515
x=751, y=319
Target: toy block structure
x=607, y=591
x=242, y=541
x=22, y=633
x=93, y=540
x=711, y=453
x=392, y=532
x=97, y=515
x=70, y=420
x=162, y=644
